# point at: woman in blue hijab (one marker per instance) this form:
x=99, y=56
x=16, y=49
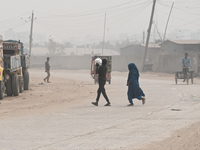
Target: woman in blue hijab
x=134, y=90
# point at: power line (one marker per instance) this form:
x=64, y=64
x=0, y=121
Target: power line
x=103, y=10
x=126, y=19
x=14, y=18
x=115, y=24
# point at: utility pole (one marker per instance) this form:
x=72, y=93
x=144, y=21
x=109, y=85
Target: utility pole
x=148, y=36
x=104, y=33
x=143, y=37
x=31, y=34
x=158, y=31
x=167, y=22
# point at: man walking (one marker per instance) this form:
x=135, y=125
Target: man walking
x=101, y=70
x=186, y=62
x=47, y=70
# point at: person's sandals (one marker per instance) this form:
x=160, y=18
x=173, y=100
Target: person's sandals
x=95, y=103
x=131, y=104
x=143, y=100
x=108, y=104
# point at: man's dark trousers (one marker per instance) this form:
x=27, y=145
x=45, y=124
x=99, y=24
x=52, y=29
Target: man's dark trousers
x=185, y=71
x=102, y=90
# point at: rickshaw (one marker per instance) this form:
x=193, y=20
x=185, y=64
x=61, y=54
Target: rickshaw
x=93, y=68
x=180, y=75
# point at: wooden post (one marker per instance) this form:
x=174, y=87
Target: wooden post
x=148, y=36
x=104, y=33
x=167, y=22
x=31, y=34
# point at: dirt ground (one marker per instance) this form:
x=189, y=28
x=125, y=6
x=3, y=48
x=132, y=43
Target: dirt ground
x=59, y=115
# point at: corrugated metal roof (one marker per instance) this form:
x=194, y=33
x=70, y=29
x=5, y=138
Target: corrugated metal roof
x=185, y=41
x=126, y=46
x=149, y=46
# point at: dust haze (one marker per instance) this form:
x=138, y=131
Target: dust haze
x=59, y=114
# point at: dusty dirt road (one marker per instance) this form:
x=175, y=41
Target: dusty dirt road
x=59, y=115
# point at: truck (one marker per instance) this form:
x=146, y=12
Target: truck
x=14, y=76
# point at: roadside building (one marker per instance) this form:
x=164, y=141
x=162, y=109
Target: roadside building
x=165, y=57
x=139, y=49
x=180, y=46
x=173, y=52
x=136, y=53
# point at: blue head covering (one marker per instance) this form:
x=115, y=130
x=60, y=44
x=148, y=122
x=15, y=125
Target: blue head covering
x=133, y=68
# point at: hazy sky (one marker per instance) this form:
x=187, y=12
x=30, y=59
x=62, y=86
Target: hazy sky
x=62, y=19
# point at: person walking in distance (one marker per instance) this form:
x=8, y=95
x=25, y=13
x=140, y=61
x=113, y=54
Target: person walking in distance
x=101, y=71
x=186, y=62
x=47, y=70
x=134, y=90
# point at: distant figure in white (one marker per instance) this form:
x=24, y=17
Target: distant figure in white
x=186, y=63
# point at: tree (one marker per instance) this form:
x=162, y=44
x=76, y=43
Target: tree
x=55, y=48
x=68, y=45
x=108, y=45
x=80, y=46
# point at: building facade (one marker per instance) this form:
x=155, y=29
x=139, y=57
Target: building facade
x=180, y=46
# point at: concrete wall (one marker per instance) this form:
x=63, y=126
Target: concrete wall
x=198, y=64
x=167, y=63
x=172, y=63
x=62, y=62
x=174, y=48
x=132, y=50
x=119, y=63
x=138, y=50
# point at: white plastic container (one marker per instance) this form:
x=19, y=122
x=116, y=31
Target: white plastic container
x=98, y=61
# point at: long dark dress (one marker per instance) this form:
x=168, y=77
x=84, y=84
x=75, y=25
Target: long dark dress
x=134, y=90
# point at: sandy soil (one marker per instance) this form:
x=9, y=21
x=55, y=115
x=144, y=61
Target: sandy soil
x=60, y=116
